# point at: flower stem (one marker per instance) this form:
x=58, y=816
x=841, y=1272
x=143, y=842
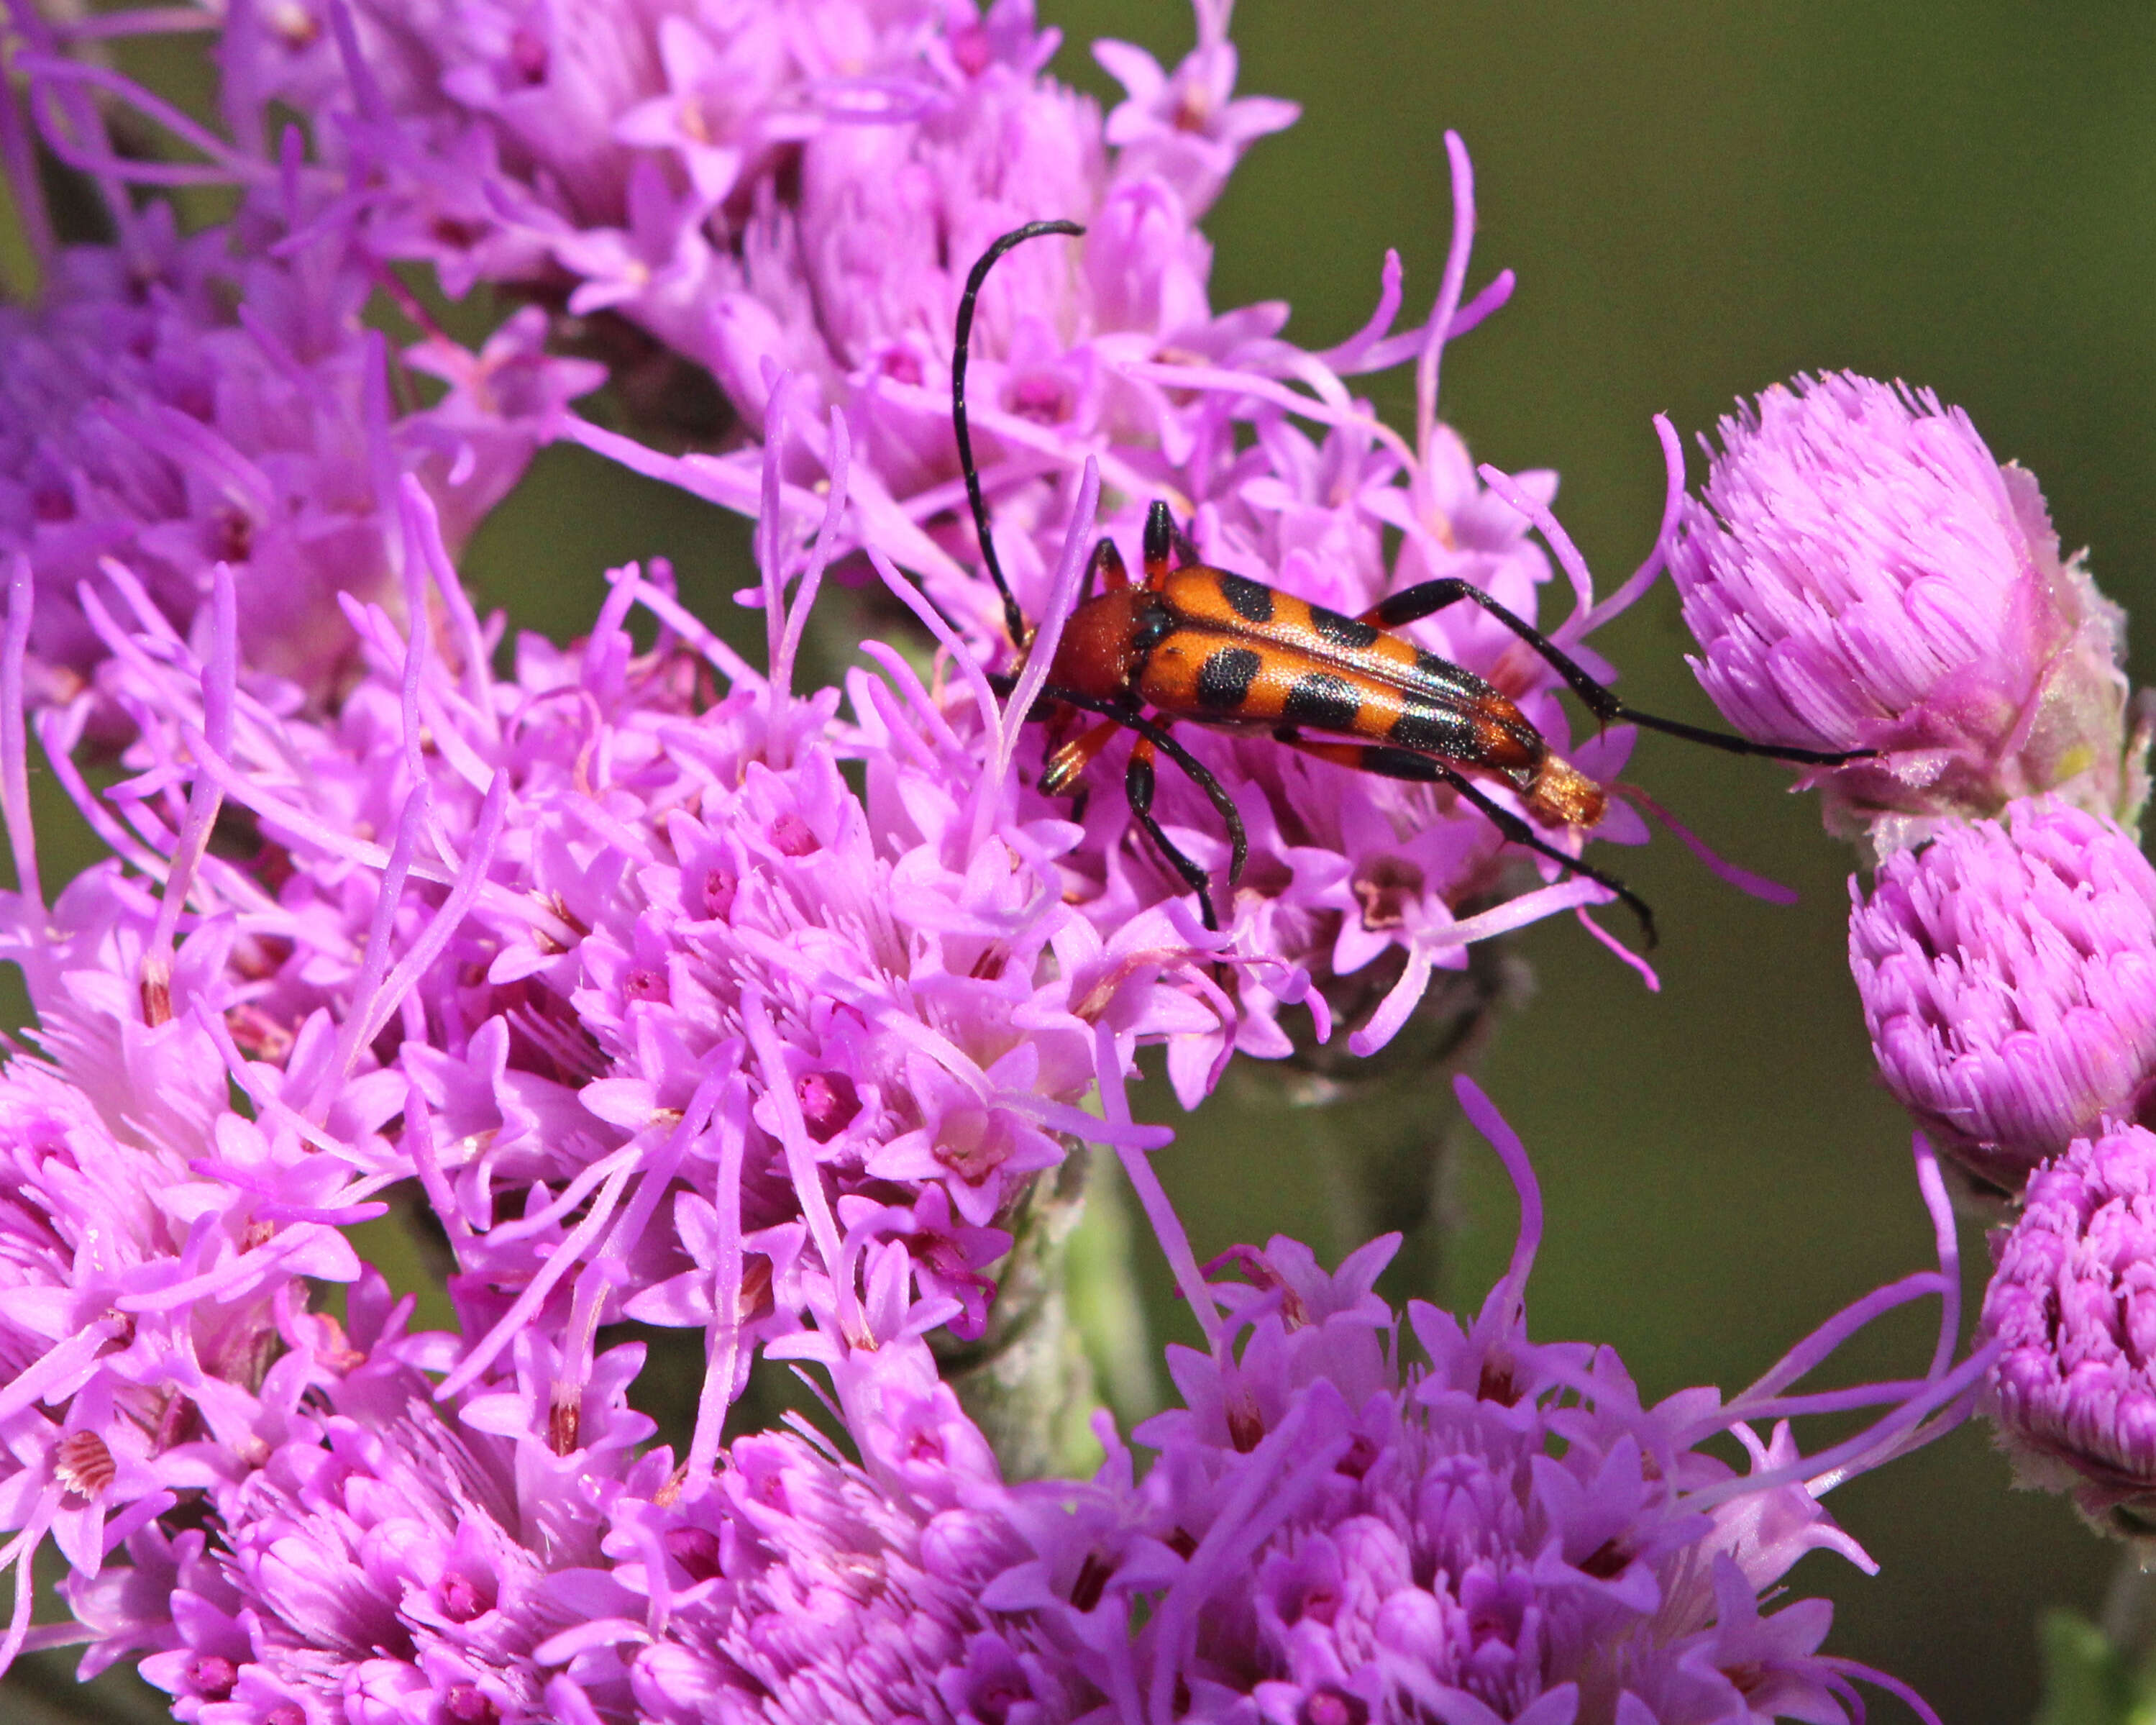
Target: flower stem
x=1027, y=1383
x=1381, y=1125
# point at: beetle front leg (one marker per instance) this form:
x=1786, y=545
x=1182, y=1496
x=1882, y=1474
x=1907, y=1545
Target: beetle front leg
x=1071, y=759
x=1106, y=565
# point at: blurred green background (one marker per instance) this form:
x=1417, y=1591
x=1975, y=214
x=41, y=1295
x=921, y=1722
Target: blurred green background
x=1698, y=200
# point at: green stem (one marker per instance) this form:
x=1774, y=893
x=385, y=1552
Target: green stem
x=1380, y=1125
x=1027, y=1382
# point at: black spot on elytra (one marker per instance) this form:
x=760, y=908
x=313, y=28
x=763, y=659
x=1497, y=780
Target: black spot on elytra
x=1432, y=730
x=1322, y=701
x=1224, y=679
x=1250, y=600
x=1343, y=632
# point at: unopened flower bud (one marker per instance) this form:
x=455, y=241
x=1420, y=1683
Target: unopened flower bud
x=2073, y=1303
x=1860, y=572
x=2008, y=973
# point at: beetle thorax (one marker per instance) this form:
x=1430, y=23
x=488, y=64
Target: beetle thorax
x=1104, y=643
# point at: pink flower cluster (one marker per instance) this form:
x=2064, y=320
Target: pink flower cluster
x=175, y=401
x=669, y=993
x=762, y=193
x=1503, y=1531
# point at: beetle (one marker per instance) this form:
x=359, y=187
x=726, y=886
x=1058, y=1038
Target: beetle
x=1202, y=645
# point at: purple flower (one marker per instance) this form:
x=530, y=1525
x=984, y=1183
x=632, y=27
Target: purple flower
x=910, y=138
x=1362, y=886
x=620, y=148
x=2071, y=1308
x=2007, y=974
x=169, y=403
x=149, y=1276
x=685, y=998
x=695, y=1024
x=386, y=1564
x=1186, y=128
x=835, y=1018
x=1504, y=1532
x=157, y=1242
x=796, y=1586
x=1860, y=572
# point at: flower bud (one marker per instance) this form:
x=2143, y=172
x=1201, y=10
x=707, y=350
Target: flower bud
x=2008, y=973
x=1860, y=572
x=2072, y=1301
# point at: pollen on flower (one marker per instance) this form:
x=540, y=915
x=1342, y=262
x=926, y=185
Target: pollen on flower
x=564, y=1418
x=294, y=25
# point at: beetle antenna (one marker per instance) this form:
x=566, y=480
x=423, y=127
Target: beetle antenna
x=1014, y=618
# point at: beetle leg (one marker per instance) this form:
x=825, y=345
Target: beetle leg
x=1107, y=564
x=1424, y=770
x=1159, y=542
x=1427, y=598
x=1155, y=731
x=1072, y=758
x=1138, y=788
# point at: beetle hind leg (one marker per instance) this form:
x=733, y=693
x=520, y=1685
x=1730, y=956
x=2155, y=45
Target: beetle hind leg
x=1427, y=597
x=1424, y=770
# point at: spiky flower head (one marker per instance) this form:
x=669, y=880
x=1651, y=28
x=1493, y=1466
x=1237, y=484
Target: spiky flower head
x=699, y=1021
x=1860, y=572
x=2007, y=970
x=386, y=1559
x=796, y=1585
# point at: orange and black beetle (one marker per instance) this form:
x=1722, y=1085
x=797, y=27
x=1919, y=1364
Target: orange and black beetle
x=1199, y=645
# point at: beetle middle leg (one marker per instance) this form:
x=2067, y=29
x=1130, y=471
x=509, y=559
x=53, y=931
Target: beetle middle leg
x=1138, y=783
x=1427, y=598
